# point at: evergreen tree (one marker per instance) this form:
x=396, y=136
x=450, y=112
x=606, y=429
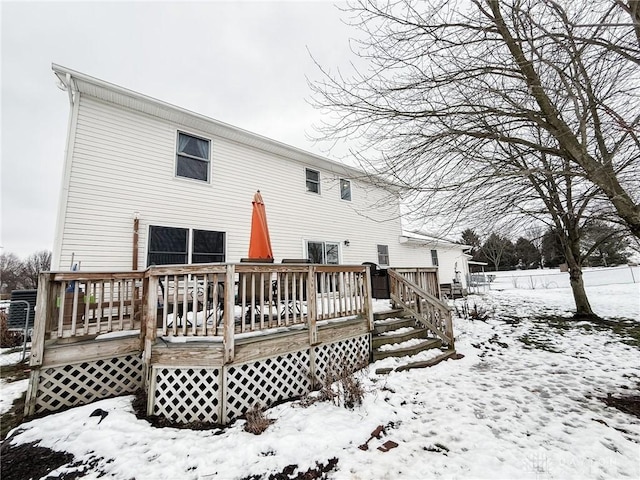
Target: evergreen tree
x=552, y=249
x=604, y=245
x=470, y=237
x=527, y=254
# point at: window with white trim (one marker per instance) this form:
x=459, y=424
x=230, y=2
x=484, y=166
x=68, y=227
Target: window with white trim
x=168, y=246
x=192, y=157
x=323, y=252
x=383, y=255
x=313, y=180
x=345, y=189
x=434, y=258
x=207, y=246
x=171, y=246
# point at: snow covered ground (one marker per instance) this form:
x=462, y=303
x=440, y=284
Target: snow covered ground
x=553, y=278
x=524, y=402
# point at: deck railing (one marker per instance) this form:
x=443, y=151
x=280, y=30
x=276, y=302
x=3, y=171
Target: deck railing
x=192, y=300
x=429, y=310
x=80, y=304
x=424, y=277
x=202, y=300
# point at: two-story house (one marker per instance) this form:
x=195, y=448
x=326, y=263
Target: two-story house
x=149, y=183
x=146, y=182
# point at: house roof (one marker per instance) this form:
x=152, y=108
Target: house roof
x=419, y=238
x=114, y=94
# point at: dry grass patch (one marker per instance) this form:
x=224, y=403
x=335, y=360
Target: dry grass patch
x=257, y=421
x=341, y=386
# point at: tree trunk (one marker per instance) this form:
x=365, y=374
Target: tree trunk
x=583, y=307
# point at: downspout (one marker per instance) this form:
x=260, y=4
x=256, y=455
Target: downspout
x=67, y=83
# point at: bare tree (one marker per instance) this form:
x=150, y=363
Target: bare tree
x=32, y=266
x=17, y=274
x=494, y=249
x=10, y=273
x=491, y=110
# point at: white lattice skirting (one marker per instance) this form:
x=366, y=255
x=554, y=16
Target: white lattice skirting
x=86, y=382
x=220, y=394
x=185, y=395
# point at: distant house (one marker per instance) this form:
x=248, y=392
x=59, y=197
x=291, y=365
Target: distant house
x=185, y=183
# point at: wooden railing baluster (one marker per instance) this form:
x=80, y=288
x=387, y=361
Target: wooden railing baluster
x=426, y=308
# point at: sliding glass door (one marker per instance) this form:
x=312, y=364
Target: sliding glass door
x=323, y=252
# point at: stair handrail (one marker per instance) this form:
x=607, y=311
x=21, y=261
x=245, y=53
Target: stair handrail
x=442, y=309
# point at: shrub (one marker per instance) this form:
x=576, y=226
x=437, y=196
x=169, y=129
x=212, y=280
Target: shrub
x=257, y=421
x=340, y=386
x=8, y=338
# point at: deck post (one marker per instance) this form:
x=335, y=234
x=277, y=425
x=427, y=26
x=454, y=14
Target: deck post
x=144, y=308
x=151, y=329
x=449, y=329
x=368, y=300
x=228, y=318
x=43, y=301
x=312, y=309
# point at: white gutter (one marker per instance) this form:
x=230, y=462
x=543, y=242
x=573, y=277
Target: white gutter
x=220, y=128
x=68, y=84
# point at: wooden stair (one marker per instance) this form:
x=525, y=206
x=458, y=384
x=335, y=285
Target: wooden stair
x=395, y=327
x=422, y=322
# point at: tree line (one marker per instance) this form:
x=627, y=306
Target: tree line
x=22, y=274
x=601, y=246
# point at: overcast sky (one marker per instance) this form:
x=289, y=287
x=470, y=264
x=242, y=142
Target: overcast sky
x=242, y=63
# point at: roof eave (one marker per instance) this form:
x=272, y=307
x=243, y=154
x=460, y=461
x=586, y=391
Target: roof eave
x=121, y=96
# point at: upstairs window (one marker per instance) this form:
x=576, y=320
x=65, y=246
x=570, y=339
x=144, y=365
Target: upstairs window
x=313, y=180
x=383, y=255
x=345, y=189
x=434, y=258
x=192, y=157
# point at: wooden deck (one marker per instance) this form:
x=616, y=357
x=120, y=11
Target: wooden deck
x=200, y=339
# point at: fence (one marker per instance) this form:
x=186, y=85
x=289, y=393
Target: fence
x=549, y=279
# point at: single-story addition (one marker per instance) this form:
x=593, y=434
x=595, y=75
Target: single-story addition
x=451, y=259
x=149, y=183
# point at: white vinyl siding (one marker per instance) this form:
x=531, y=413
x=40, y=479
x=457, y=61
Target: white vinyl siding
x=124, y=162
